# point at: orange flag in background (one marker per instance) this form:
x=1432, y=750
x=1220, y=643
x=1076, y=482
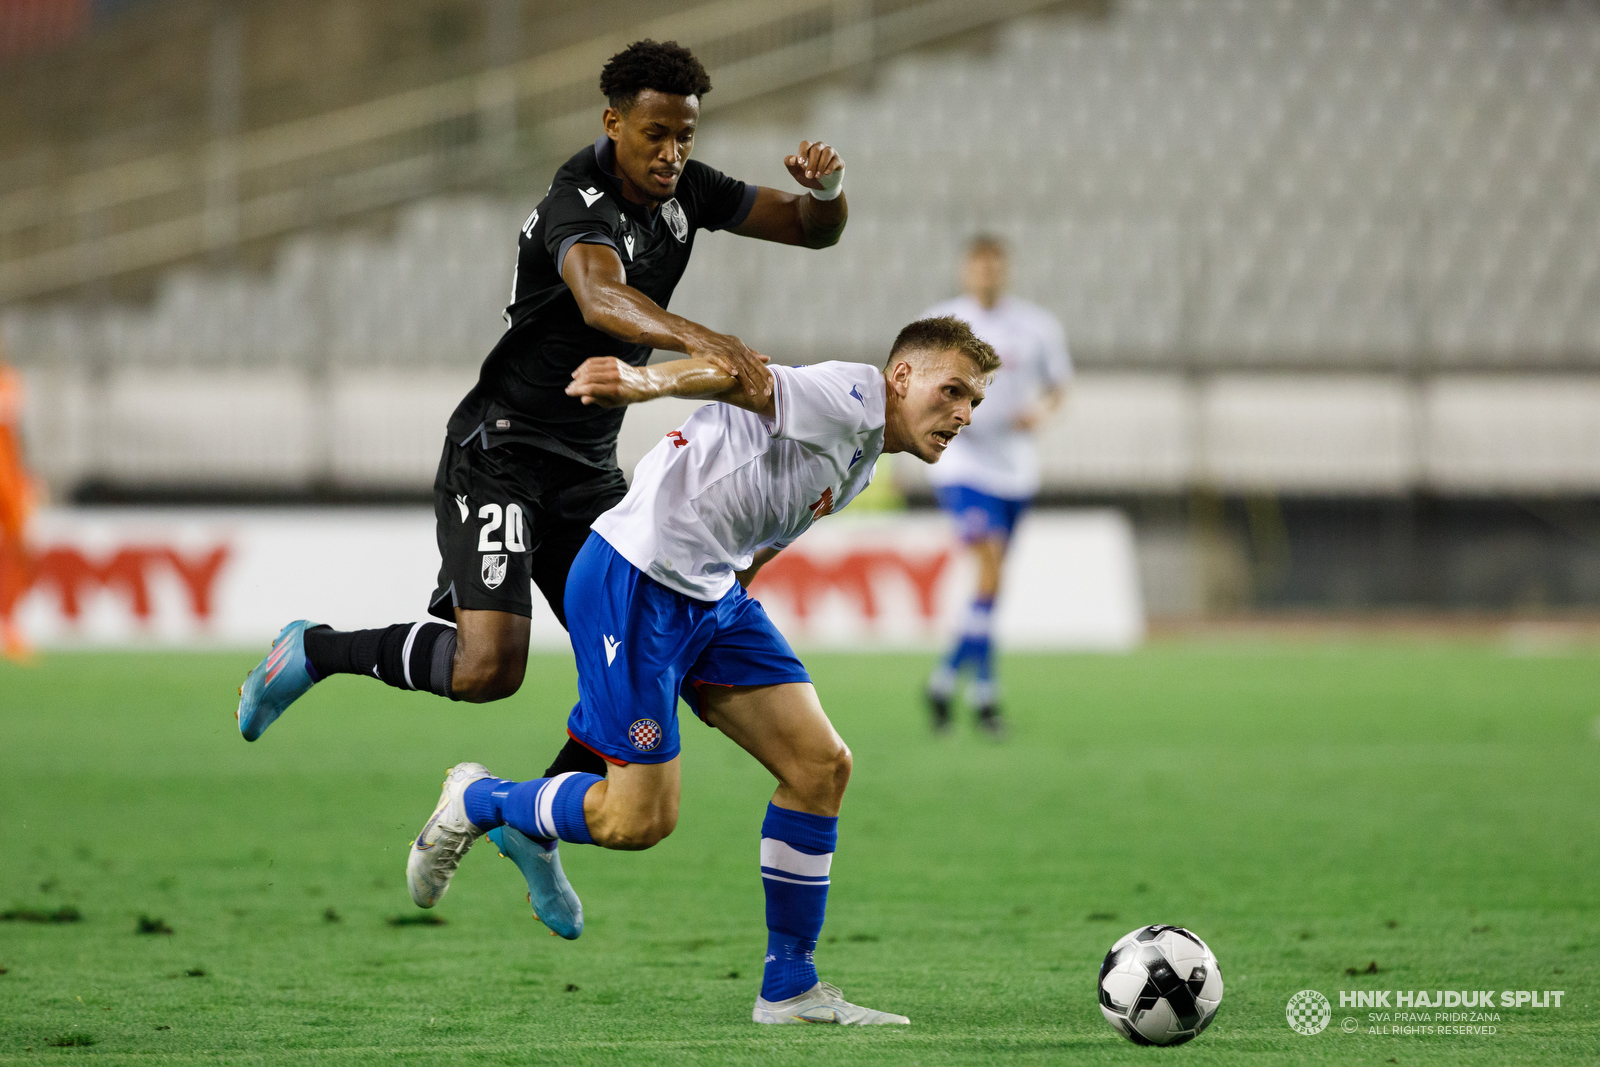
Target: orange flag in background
x=17, y=497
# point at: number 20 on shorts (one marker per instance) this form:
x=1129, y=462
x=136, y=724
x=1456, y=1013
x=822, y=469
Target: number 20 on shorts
x=494, y=517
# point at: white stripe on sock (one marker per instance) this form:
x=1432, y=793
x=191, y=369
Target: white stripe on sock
x=791, y=881
x=405, y=653
x=781, y=856
x=544, y=805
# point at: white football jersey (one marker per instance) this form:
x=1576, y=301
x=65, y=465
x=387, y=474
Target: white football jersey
x=992, y=455
x=729, y=482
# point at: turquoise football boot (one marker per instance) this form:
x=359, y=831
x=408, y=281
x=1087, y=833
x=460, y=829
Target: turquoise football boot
x=554, y=902
x=278, y=681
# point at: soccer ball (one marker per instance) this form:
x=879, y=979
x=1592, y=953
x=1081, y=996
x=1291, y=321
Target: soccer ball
x=1160, y=985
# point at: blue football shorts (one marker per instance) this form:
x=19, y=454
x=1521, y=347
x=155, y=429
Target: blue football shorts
x=978, y=515
x=640, y=646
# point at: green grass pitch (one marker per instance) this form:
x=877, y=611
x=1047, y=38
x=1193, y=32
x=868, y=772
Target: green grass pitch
x=1433, y=809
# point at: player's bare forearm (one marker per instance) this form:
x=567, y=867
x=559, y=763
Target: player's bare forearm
x=762, y=558
x=823, y=220
x=1036, y=414
x=807, y=220
x=609, y=304
x=600, y=286
x=803, y=221
x=609, y=382
x=700, y=379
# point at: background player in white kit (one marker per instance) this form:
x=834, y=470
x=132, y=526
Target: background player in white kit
x=990, y=473
x=657, y=610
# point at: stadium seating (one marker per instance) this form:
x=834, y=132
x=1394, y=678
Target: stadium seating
x=1288, y=183
x=1288, y=238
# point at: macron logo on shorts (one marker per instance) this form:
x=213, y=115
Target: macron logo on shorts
x=611, y=648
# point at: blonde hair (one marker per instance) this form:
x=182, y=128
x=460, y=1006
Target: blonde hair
x=946, y=333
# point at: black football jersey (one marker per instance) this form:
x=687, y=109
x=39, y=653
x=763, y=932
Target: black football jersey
x=521, y=391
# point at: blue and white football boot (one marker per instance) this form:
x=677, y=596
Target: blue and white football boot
x=822, y=1003
x=437, y=851
x=277, y=681
x=554, y=902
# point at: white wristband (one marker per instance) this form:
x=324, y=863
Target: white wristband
x=832, y=185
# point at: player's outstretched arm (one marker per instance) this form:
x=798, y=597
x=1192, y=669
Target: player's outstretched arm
x=1038, y=413
x=814, y=219
x=599, y=283
x=611, y=383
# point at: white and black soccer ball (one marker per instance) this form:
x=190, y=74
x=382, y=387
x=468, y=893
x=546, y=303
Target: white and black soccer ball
x=1160, y=985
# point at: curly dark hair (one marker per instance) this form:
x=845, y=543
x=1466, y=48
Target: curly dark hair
x=667, y=67
x=943, y=334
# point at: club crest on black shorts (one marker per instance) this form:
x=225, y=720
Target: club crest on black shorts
x=645, y=734
x=494, y=570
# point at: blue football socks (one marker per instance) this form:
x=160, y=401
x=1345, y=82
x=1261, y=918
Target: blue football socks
x=974, y=648
x=796, y=854
x=542, y=808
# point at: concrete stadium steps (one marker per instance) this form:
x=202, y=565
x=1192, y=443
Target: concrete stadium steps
x=1352, y=186
x=1307, y=247
x=140, y=81
x=246, y=179
x=1316, y=183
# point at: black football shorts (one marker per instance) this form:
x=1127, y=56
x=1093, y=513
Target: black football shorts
x=510, y=517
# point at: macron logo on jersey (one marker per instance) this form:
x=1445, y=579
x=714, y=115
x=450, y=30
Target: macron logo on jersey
x=856, y=458
x=856, y=392
x=590, y=195
x=461, y=502
x=628, y=240
x=611, y=647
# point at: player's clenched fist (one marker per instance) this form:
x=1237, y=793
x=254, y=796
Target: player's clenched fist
x=610, y=383
x=816, y=166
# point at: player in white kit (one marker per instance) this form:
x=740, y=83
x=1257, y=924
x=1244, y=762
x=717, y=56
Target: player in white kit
x=990, y=473
x=657, y=610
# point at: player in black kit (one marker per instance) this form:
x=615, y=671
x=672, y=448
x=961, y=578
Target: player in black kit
x=526, y=468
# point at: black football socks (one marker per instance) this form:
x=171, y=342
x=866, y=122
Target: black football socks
x=407, y=655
